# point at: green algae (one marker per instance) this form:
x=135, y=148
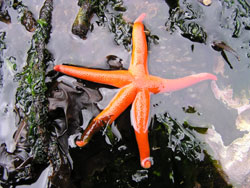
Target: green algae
x=31, y=95
x=2, y=43
x=236, y=15
x=185, y=16
x=31, y=104
x=36, y=144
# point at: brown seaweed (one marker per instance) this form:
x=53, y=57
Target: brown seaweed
x=220, y=45
x=81, y=24
x=4, y=14
x=25, y=15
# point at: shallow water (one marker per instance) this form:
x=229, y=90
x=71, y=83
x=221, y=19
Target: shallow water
x=168, y=59
x=173, y=57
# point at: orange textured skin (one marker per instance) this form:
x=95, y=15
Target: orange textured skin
x=136, y=85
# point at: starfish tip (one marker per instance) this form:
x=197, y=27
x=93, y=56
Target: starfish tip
x=80, y=143
x=140, y=18
x=213, y=77
x=146, y=163
x=57, y=67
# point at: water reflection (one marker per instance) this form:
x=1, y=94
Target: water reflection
x=173, y=57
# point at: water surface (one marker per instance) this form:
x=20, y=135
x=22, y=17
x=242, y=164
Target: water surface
x=174, y=56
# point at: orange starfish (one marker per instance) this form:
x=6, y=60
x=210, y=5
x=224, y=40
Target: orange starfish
x=136, y=85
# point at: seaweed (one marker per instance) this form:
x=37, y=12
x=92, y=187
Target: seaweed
x=109, y=12
x=2, y=48
x=33, y=144
x=221, y=46
x=117, y=25
x=236, y=16
x=180, y=160
x=185, y=16
x=190, y=109
x=82, y=24
x=122, y=31
x=51, y=115
x=188, y=16
x=25, y=16
x=4, y=14
x=30, y=96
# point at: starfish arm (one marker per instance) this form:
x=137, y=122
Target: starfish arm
x=138, y=64
x=117, y=105
x=116, y=78
x=139, y=118
x=160, y=85
x=140, y=18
